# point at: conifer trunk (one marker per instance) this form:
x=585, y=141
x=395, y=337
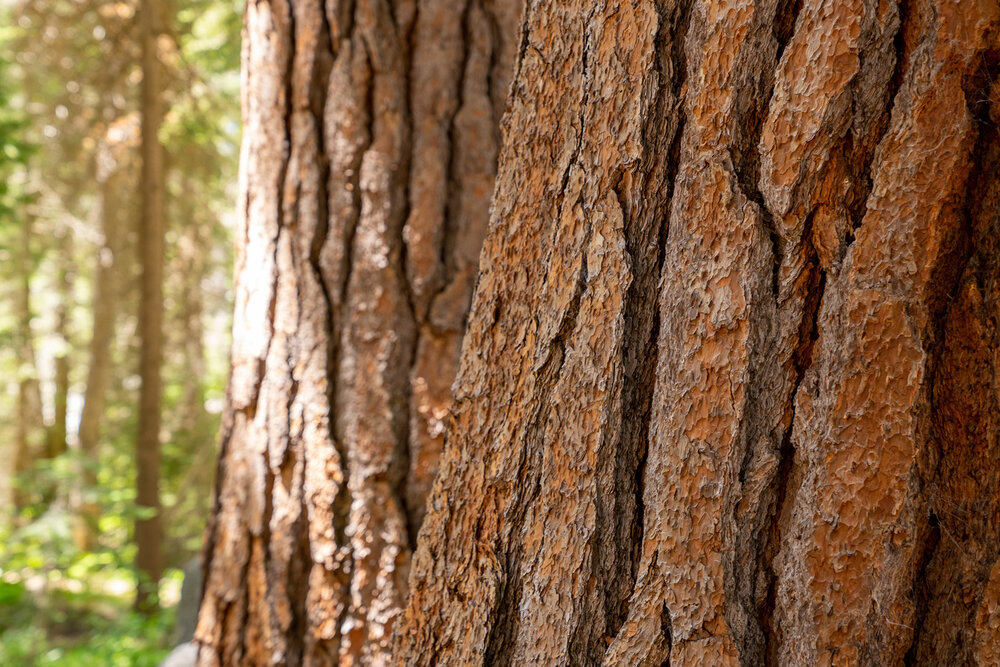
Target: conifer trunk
x=370, y=143
x=106, y=293
x=57, y=435
x=30, y=425
x=148, y=530
x=729, y=389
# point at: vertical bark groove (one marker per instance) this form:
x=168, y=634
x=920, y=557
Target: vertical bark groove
x=953, y=579
x=728, y=384
x=779, y=477
x=324, y=463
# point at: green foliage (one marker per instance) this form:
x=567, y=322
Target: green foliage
x=15, y=151
x=69, y=124
x=61, y=605
x=80, y=629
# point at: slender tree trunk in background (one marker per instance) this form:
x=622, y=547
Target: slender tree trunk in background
x=30, y=424
x=370, y=141
x=729, y=392
x=192, y=425
x=193, y=403
x=148, y=531
x=99, y=365
x=64, y=282
x=192, y=255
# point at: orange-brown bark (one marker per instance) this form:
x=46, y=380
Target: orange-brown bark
x=730, y=383
x=728, y=393
x=370, y=150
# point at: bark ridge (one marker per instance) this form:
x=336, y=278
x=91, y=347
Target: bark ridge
x=728, y=389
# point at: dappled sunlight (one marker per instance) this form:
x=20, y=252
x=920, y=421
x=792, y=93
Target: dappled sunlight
x=71, y=340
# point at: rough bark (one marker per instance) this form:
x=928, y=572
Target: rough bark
x=370, y=142
x=148, y=531
x=729, y=389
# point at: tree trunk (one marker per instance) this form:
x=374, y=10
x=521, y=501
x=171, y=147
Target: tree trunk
x=192, y=255
x=370, y=141
x=102, y=335
x=730, y=389
x=191, y=426
x=29, y=429
x=148, y=531
x=64, y=283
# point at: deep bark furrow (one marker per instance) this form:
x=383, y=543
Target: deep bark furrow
x=331, y=295
x=518, y=550
x=671, y=67
x=453, y=176
x=314, y=503
x=275, y=563
x=770, y=545
x=646, y=225
x=862, y=158
x=735, y=257
x=877, y=322
x=953, y=582
x=811, y=229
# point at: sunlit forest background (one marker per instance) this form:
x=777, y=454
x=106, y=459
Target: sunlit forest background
x=70, y=274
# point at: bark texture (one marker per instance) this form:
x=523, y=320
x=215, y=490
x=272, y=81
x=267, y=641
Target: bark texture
x=730, y=385
x=371, y=135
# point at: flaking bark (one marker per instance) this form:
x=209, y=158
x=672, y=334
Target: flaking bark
x=728, y=392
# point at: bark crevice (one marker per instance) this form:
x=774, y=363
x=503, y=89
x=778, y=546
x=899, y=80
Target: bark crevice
x=802, y=359
x=665, y=121
x=958, y=543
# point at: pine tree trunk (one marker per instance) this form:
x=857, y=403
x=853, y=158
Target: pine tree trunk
x=191, y=425
x=29, y=428
x=64, y=283
x=370, y=142
x=148, y=531
x=730, y=386
x=102, y=335
x=195, y=245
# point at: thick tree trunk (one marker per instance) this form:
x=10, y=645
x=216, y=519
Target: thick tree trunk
x=148, y=531
x=729, y=390
x=371, y=134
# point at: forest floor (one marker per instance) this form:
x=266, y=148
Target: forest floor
x=50, y=619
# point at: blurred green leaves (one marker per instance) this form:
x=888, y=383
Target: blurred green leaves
x=69, y=84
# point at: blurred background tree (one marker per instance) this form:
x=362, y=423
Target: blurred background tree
x=70, y=269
